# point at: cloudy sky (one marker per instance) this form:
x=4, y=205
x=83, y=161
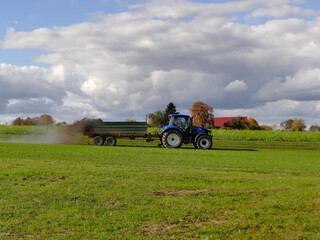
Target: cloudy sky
x=117, y=59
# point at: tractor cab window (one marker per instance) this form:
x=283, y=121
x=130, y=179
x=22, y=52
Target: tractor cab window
x=181, y=122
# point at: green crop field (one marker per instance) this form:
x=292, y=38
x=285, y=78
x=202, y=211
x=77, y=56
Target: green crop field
x=23, y=130
x=249, y=135
x=240, y=189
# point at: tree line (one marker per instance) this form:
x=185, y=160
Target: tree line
x=203, y=116
x=298, y=125
x=43, y=120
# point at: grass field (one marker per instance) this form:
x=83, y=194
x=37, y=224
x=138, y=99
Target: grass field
x=238, y=190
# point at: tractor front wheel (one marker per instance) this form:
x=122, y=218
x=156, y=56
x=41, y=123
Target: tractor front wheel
x=203, y=142
x=172, y=139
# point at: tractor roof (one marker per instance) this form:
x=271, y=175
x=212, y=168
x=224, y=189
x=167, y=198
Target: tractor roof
x=179, y=115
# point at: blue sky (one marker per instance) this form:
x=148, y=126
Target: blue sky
x=81, y=58
x=32, y=14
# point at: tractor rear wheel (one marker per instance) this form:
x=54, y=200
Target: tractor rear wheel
x=172, y=139
x=204, y=142
x=98, y=140
x=111, y=141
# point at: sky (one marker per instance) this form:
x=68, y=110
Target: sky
x=117, y=60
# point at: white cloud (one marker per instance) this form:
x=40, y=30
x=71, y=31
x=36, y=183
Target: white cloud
x=304, y=85
x=236, y=86
x=29, y=89
x=128, y=64
x=283, y=12
x=278, y=111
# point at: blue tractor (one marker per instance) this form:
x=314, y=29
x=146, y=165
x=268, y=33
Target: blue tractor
x=180, y=130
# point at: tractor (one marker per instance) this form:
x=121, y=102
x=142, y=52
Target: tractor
x=181, y=131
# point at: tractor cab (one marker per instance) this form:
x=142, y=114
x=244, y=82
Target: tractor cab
x=184, y=122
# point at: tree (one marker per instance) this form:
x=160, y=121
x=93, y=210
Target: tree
x=298, y=125
x=46, y=120
x=314, y=128
x=237, y=123
x=202, y=115
x=287, y=125
x=31, y=121
x=171, y=109
x=161, y=118
x=253, y=124
x=156, y=119
x=62, y=124
x=267, y=127
x=17, y=122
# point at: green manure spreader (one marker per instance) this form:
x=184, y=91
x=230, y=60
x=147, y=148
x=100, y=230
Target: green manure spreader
x=106, y=133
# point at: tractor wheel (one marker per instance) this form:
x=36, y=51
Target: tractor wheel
x=98, y=140
x=204, y=142
x=172, y=139
x=111, y=141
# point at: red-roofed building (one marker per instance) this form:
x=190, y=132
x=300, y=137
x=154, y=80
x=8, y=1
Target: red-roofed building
x=220, y=121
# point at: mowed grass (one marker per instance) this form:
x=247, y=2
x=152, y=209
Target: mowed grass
x=238, y=190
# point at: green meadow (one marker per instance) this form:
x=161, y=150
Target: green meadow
x=241, y=189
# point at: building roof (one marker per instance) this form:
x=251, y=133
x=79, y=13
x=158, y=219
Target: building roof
x=220, y=121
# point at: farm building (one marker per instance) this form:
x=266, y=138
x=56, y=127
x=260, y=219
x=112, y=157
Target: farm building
x=220, y=121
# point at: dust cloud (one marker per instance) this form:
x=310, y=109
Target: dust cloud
x=70, y=134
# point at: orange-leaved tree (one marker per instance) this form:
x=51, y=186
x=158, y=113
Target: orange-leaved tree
x=202, y=115
x=46, y=120
x=253, y=124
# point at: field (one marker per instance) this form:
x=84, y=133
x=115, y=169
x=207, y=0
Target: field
x=23, y=130
x=241, y=189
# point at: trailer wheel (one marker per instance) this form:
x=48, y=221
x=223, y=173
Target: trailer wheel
x=98, y=140
x=204, y=142
x=172, y=139
x=111, y=141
